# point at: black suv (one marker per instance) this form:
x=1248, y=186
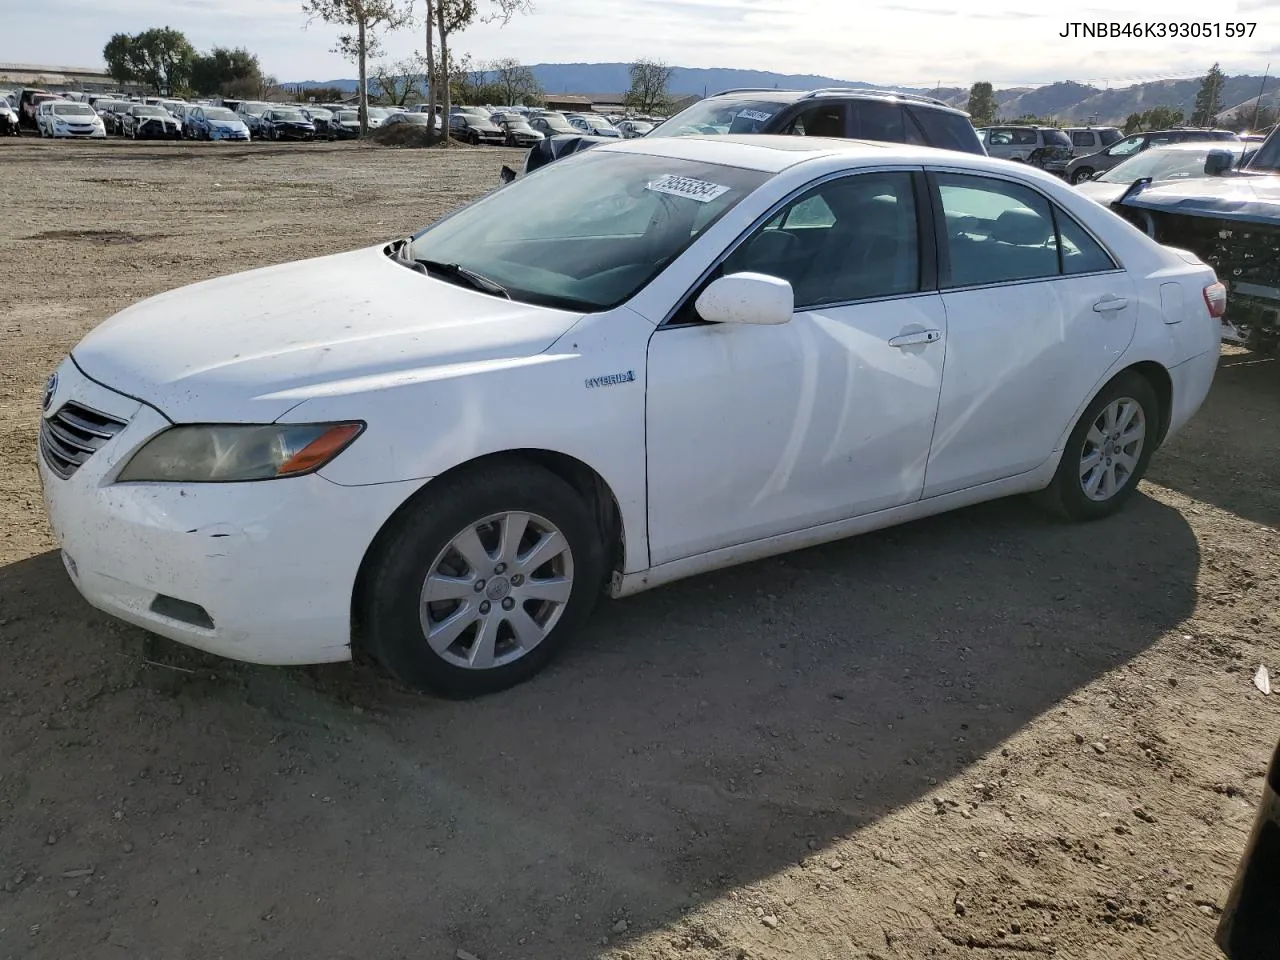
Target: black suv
x=849, y=112
x=831, y=112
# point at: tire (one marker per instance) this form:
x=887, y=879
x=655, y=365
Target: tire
x=1081, y=174
x=474, y=139
x=1112, y=481
x=394, y=619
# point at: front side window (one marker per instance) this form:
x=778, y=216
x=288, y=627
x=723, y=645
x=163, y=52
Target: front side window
x=587, y=232
x=855, y=238
x=1268, y=156
x=1002, y=232
x=825, y=120
x=872, y=120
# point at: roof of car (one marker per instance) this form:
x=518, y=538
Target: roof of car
x=792, y=96
x=773, y=153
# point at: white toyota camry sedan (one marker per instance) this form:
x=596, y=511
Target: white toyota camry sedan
x=645, y=361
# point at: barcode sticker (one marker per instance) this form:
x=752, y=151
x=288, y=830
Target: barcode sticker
x=687, y=187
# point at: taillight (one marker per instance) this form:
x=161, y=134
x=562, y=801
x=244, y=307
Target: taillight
x=1215, y=298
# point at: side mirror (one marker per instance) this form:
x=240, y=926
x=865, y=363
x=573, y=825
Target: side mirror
x=1217, y=163
x=747, y=298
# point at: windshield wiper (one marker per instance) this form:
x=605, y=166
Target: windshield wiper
x=476, y=281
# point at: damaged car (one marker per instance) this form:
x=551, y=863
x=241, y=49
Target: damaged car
x=1233, y=224
x=145, y=122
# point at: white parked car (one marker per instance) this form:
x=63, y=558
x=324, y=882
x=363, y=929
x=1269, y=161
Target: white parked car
x=649, y=360
x=67, y=118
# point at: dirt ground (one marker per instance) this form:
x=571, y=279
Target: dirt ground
x=988, y=734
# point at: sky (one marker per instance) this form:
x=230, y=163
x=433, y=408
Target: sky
x=907, y=42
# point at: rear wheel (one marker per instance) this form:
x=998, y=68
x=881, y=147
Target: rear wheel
x=483, y=581
x=1108, y=451
x=1081, y=174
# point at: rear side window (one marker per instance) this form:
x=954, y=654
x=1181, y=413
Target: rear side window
x=1055, y=138
x=1002, y=232
x=947, y=131
x=824, y=120
x=1026, y=138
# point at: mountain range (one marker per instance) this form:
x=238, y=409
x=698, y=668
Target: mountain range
x=1065, y=100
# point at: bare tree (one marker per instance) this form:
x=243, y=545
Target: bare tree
x=399, y=81
x=649, y=81
x=455, y=15
x=516, y=81
x=363, y=20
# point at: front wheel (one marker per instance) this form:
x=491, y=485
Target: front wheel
x=1108, y=451
x=474, y=139
x=482, y=580
x=1081, y=174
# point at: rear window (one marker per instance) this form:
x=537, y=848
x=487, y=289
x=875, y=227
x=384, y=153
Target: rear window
x=1055, y=138
x=947, y=131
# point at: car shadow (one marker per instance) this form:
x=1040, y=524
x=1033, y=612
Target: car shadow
x=1235, y=434
x=696, y=738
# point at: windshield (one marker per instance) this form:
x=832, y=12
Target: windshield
x=256, y=109
x=588, y=231
x=318, y=113
x=350, y=116
x=73, y=110
x=148, y=112
x=419, y=118
x=558, y=125
x=1163, y=165
x=1268, y=155
x=293, y=115
x=220, y=113
x=378, y=113
x=720, y=116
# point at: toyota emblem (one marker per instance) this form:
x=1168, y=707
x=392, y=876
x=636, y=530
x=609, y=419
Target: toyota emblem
x=50, y=388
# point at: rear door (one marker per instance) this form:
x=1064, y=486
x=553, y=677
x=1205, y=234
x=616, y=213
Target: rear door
x=1037, y=313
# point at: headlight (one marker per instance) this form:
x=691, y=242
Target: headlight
x=227, y=453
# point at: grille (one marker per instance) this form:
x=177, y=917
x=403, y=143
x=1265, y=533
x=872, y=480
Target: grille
x=72, y=435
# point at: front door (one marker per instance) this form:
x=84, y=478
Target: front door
x=1031, y=331
x=754, y=431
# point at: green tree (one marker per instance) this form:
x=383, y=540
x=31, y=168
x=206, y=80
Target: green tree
x=516, y=83
x=163, y=57
x=1157, y=118
x=222, y=71
x=1209, y=100
x=363, y=20
x=982, y=104
x=649, y=82
x=120, y=58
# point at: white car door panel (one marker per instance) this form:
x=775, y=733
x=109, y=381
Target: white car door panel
x=1022, y=355
x=754, y=431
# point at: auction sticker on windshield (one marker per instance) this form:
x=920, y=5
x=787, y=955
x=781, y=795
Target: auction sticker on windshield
x=687, y=187
x=757, y=115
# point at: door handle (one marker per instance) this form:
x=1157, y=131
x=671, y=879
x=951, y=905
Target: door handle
x=1109, y=303
x=916, y=338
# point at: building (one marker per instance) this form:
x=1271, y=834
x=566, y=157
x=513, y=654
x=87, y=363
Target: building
x=58, y=78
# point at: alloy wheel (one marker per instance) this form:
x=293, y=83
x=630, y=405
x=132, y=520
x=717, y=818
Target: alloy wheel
x=1112, y=449
x=496, y=590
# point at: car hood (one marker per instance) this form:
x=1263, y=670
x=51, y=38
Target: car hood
x=1101, y=192
x=1253, y=199
x=249, y=347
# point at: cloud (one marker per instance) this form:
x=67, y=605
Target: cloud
x=905, y=42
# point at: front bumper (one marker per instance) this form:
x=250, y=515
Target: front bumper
x=91, y=134
x=272, y=564
x=158, y=131
x=291, y=133
x=217, y=134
